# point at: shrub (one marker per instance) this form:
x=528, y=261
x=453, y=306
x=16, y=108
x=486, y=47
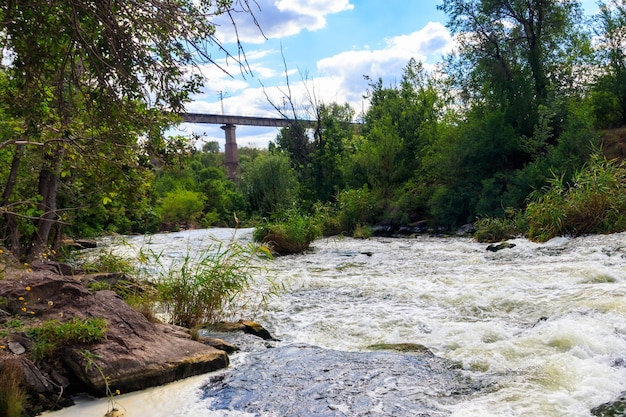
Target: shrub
x=12, y=393
x=204, y=287
x=496, y=229
x=53, y=334
x=594, y=202
x=182, y=206
x=292, y=233
x=355, y=207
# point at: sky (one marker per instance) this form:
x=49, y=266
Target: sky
x=324, y=48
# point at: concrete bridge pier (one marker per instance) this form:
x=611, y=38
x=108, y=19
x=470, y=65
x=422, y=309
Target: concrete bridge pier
x=232, y=157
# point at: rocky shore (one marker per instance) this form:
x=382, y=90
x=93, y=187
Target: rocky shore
x=136, y=353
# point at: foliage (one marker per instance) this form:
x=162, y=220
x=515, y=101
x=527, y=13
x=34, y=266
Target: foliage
x=182, y=207
x=355, y=208
x=269, y=184
x=204, y=287
x=593, y=202
x=103, y=260
x=51, y=335
x=609, y=90
x=496, y=229
x=90, y=89
x=12, y=393
x=290, y=232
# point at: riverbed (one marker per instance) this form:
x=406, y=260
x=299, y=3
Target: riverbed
x=536, y=329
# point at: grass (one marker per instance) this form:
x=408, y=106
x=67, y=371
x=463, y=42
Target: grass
x=293, y=232
x=206, y=286
x=52, y=334
x=12, y=392
x=594, y=201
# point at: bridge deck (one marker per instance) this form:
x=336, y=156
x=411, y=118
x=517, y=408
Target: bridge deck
x=242, y=120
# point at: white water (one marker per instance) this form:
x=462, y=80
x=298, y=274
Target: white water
x=545, y=323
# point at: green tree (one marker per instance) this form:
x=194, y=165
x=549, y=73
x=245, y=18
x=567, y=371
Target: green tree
x=182, y=207
x=609, y=92
x=86, y=80
x=516, y=53
x=269, y=184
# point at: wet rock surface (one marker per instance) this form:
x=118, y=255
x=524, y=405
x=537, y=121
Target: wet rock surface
x=303, y=380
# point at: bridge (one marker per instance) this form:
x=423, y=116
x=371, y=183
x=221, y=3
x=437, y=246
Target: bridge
x=230, y=123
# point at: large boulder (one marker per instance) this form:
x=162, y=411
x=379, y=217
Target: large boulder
x=136, y=354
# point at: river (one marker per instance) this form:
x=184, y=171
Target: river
x=538, y=329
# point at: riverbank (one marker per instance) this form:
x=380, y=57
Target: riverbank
x=136, y=353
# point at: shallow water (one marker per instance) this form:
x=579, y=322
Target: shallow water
x=544, y=324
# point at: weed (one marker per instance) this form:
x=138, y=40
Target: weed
x=53, y=334
x=292, y=232
x=13, y=323
x=90, y=358
x=497, y=229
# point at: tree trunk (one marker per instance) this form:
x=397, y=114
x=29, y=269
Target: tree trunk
x=11, y=224
x=48, y=186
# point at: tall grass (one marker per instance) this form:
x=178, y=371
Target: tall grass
x=209, y=285
x=594, y=201
x=12, y=392
x=292, y=232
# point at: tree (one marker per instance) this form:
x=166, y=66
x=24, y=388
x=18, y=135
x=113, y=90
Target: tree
x=515, y=53
x=182, y=206
x=609, y=92
x=87, y=80
x=269, y=184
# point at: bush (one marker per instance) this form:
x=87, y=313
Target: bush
x=595, y=202
x=355, y=207
x=182, y=206
x=292, y=233
x=496, y=229
x=203, y=287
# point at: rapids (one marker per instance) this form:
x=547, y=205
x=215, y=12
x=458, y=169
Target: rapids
x=539, y=328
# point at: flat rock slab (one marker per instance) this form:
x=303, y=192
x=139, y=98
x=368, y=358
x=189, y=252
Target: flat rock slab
x=136, y=354
x=302, y=380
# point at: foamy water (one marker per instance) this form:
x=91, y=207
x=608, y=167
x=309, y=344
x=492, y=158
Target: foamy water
x=542, y=325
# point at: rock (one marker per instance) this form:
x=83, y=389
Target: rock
x=114, y=413
x=16, y=348
x=402, y=347
x=301, y=380
x=256, y=329
x=57, y=267
x=616, y=408
x=496, y=247
x=136, y=354
x=466, y=229
x=245, y=326
x=218, y=344
x=79, y=244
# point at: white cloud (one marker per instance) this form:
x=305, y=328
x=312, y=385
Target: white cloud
x=339, y=78
x=348, y=68
x=278, y=19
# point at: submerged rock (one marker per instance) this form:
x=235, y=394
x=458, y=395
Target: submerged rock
x=616, y=408
x=499, y=246
x=302, y=380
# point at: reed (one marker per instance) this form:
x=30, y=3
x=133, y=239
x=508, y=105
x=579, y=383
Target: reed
x=12, y=392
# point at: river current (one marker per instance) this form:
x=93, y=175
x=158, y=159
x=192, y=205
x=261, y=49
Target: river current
x=540, y=328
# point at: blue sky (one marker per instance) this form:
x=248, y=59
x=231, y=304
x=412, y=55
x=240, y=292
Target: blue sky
x=327, y=45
